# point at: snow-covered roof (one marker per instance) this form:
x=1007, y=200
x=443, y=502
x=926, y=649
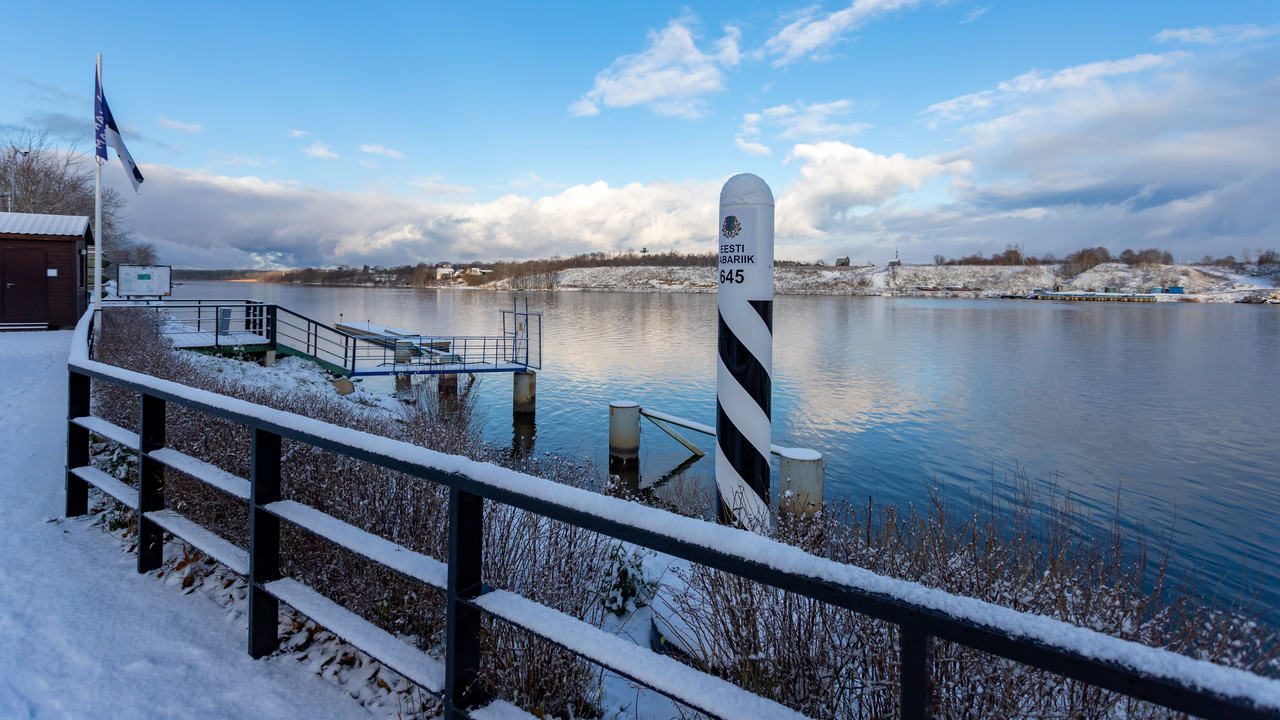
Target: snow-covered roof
x=36, y=224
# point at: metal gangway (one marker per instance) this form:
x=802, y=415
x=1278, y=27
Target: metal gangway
x=253, y=326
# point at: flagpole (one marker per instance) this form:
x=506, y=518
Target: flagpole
x=97, y=226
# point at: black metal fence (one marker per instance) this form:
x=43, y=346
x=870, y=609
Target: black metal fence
x=921, y=614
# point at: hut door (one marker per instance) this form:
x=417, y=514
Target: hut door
x=23, y=286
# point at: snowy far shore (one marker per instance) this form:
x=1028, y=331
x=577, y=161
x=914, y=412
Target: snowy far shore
x=1197, y=283
x=1203, y=284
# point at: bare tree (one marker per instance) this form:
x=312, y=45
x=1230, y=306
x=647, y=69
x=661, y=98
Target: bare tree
x=42, y=178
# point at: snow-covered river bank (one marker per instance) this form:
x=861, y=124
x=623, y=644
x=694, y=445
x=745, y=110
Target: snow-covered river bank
x=1204, y=284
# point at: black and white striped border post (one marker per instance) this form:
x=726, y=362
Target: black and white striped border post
x=744, y=372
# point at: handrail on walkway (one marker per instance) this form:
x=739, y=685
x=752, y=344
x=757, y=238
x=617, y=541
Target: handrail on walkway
x=922, y=614
x=256, y=324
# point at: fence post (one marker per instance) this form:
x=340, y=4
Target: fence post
x=271, y=324
x=462, y=629
x=77, y=495
x=264, y=543
x=150, y=483
x=914, y=673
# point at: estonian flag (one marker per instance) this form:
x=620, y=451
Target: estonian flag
x=105, y=131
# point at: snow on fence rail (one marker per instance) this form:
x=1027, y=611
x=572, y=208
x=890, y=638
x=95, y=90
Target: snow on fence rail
x=922, y=614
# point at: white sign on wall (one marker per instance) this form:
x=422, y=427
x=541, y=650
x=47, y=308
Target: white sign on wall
x=137, y=280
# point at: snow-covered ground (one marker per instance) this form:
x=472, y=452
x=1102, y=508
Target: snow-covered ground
x=82, y=635
x=1203, y=284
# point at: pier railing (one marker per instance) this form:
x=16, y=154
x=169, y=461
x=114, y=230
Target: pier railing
x=922, y=615
x=252, y=325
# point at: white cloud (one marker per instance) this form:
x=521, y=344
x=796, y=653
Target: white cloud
x=802, y=122
x=814, y=32
x=200, y=219
x=810, y=121
x=318, y=149
x=532, y=180
x=974, y=14
x=1220, y=34
x=435, y=187
x=1036, y=81
x=180, y=127
x=837, y=177
x=380, y=150
x=298, y=133
x=671, y=76
x=752, y=148
x=225, y=159
x=366, y=162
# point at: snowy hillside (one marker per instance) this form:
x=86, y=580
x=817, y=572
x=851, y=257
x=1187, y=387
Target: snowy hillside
x=1211, y=284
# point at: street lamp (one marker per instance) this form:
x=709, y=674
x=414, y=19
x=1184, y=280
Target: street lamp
x=13, y=169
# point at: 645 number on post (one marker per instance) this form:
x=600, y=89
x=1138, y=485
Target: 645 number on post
x=730, y=276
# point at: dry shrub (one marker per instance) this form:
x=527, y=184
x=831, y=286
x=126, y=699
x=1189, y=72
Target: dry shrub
x=547, y=562
x=1032, y=554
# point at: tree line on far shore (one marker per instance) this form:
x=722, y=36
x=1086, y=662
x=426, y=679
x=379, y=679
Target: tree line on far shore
x=1082, y=260
x=541, y=273
x=422, y=274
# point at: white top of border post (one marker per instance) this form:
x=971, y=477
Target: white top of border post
x=746, y=189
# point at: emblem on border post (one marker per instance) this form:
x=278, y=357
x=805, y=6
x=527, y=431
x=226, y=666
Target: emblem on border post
x=731, y=226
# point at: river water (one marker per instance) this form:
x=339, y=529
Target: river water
x=1169, y=410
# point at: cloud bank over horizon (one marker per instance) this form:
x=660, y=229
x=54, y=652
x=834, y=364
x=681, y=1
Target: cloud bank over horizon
x=624, y=143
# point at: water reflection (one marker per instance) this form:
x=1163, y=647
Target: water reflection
x=1165, y=409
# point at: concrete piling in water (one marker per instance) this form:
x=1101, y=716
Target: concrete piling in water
x=448, y=386
x=524, y=395
x=801, y=475
x=524, y=432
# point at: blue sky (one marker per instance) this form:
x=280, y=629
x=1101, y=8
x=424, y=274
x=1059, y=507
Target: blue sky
x=318, y=134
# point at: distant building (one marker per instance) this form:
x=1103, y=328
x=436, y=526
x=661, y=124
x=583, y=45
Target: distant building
x=844, y=261
x=43, y=269
x=444, y=271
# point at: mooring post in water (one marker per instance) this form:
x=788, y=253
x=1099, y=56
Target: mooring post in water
x=624, y=444
x=801, y=474
x=743, y=374
x=524, y=391
x=624, y=429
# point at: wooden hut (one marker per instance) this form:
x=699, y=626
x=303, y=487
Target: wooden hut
x=43, y=271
